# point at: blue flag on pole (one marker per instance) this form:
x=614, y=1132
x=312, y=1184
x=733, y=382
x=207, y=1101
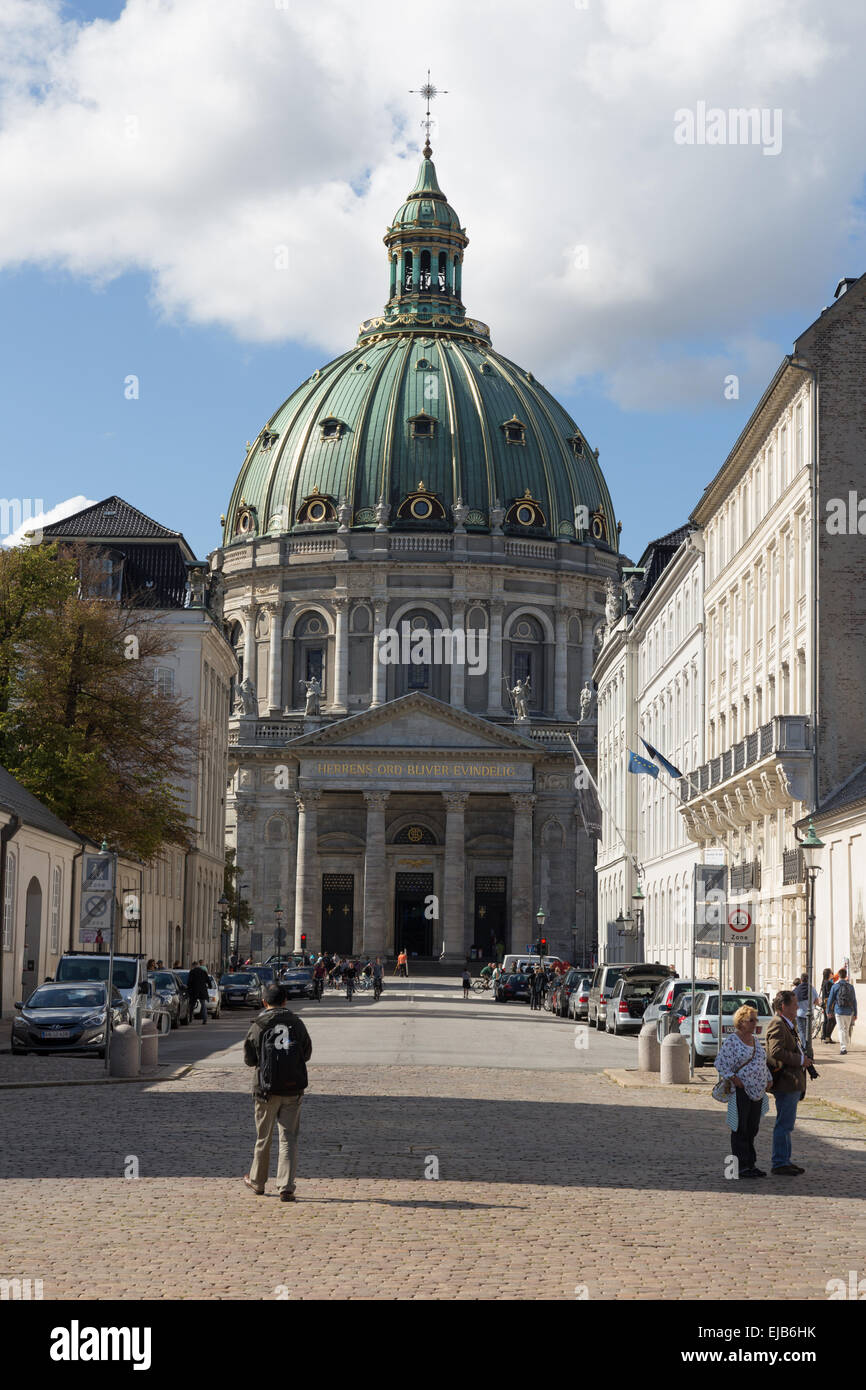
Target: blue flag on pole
x=663, y=762
x=637, y=764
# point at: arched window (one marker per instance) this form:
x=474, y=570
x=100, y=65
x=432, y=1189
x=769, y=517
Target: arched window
x=527, y=657
x=310, y=657
x=424, y=280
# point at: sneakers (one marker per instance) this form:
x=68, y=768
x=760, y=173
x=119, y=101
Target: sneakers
x=843, y=1051
x=287, y=1196
x=248, y=1182
x=788, y=1170
x=753, y=1173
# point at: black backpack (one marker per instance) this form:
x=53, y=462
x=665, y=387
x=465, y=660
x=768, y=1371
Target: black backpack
x=282, y=1069
x=846, y=997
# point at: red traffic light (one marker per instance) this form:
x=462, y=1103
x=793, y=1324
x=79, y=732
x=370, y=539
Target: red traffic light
x=303, y=940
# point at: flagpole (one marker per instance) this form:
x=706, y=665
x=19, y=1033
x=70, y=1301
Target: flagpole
x=631, y=858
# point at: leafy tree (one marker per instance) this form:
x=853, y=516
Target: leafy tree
x=239, y=910
x=82, y=724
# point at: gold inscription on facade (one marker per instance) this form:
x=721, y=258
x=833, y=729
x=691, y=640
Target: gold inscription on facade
x=473, y=771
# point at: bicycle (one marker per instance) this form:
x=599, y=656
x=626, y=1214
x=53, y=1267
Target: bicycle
x=364, y=983
x=483, y=982
x=818, y=1020
x=377, y=990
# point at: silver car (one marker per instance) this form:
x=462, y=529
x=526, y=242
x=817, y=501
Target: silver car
x=706, y=1014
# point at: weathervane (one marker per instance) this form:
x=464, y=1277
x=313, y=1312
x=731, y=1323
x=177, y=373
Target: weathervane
x=428, y=91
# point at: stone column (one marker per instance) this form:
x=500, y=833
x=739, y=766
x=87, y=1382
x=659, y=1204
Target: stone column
x=249, y=612
x=494, y=658
x=373, y=932
x=275, y=659
x=458, y=668
x=341, y=657
x=453, y=926
x=522, y=920
x=560, y=665
x=308, y=880
x=380, y=610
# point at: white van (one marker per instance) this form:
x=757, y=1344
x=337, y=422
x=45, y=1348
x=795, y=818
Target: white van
x=515, y=962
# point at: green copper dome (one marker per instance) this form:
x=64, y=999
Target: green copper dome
x=422, y=426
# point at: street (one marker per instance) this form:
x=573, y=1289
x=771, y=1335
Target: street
x=448, y=1150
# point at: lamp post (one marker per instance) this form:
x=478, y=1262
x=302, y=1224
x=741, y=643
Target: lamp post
x=638, y=897
x=811, y=847
x=278, y=918
x=625, y=924
x=223, y=909
x=541, y=918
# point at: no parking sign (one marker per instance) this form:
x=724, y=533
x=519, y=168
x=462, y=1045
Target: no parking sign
x=740, y=926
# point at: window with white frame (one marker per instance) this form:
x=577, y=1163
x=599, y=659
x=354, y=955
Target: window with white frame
x=9, y=901
x=56, y=889
x=163, y=679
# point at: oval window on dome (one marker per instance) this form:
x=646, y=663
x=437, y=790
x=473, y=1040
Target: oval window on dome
x=525, y=515
x=421, y=508
x=317, y=511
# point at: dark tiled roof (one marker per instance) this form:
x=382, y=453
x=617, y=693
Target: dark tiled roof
x=14, y=797
x=111, y=519
x=848, y=794
x=658, y=556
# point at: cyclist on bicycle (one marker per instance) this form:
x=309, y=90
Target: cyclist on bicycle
x=320, y=970
x=349, y=977
x=486, y=973
x=378, y=977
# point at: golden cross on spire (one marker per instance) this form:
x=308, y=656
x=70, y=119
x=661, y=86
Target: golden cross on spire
x=428, y=92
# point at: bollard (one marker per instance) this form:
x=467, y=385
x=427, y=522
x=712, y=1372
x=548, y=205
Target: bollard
x=648, y=1051
x=125, y=1058
x=149, y=1046
x=674, y=1060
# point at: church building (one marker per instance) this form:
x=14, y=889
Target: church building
x=415, y=556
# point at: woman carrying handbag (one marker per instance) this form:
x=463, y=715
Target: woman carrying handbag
x=745, y=1078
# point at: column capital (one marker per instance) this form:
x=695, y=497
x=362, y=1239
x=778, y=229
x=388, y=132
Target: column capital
x=245, y=811
x=497, y=607
x=458, y=606
x=376, y=801
x=522, y=802
x=309, y=798
x=340, y=602
x=455, y=801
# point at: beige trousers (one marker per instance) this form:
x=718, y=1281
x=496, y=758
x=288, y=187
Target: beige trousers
x=284, y=1111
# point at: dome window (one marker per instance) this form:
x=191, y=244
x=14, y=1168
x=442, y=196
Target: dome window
x=421, y=505
x=598, y=525
x=332, y=429
x=424, y=365
x=316, y=509
x=576, y=445
x=514, y=431
x=525, y=512
x=245, y=522
x=269, y=439
x=422, y=426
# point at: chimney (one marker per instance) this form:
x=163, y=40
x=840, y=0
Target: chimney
x=844, y=284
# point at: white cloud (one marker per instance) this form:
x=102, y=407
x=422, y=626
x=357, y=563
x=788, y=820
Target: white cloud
x=33, y=515
x=192, y=139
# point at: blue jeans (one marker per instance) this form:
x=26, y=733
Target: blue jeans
x=803, y=1030
x=786, y=1115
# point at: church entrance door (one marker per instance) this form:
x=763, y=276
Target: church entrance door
x=338, y=896
x=412, y=928
x=491, y=915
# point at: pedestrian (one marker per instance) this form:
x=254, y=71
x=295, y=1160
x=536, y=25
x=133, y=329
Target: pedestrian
x=349, y=978
x=842, y=1004
x=159, y=965
x=787, y=1061
x=278, y=1046
x=802, y=991
x=151, y=964
x=378, y=974
x=742, y=1060
x=233, y=960
x=467, y=984
x=535, y=988
x=403, y=962
x=197, y=984
x=829, y=1023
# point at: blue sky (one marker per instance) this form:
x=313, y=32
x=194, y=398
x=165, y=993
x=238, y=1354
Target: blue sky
x=150, y=254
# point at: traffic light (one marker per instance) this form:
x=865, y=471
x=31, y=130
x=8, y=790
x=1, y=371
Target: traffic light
x=542, y=946
x=303, y=941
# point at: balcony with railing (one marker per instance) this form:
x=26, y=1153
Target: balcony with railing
x=746, y=878
x=792, y=866
x=784, y=735
x=768, y=769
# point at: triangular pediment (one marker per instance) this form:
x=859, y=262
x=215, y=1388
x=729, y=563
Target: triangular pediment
x=416, y=721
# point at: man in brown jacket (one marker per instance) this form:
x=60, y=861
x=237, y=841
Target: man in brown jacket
x=787, y=1062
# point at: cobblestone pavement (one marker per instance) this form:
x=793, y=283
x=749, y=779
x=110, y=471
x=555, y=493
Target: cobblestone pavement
x=551, y=1185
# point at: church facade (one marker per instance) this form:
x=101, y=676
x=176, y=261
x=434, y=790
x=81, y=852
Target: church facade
x=415, y=557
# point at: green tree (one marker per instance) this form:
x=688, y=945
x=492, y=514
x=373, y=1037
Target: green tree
x=82, y=723
x=239, y=910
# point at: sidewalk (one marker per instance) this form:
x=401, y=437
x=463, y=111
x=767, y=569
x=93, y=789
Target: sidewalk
x=841, y=1080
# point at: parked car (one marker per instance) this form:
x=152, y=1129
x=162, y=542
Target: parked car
x=578, y=1000
x=153, y=1006
x=663, y=1008
x=266, y=973
x=241, y=988
x=74, y=967
x=298, y=981
x=67, y=1018
x=567, y=985
x=631, y=994
x=706, y=1013
x=214, y=997
x=604, y=979
x=512, y=987
x=174, y=994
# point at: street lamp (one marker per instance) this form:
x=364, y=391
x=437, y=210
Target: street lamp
x=811, y=847
x=222, y=909
x=541, y=918
x=625, y=924
x=638, y=897
x=278, y=917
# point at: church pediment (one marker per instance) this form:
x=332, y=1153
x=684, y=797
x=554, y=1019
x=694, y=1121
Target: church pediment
x=415, y=721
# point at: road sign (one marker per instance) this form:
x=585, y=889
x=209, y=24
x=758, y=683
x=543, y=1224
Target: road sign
x=740, y=926
x=714, y=857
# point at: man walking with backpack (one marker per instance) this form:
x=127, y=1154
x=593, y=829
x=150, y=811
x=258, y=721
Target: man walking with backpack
x=279, y=1047
x=197, y=985
x=842, y=1002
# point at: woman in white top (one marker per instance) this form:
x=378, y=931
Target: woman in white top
x=742, y=1058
